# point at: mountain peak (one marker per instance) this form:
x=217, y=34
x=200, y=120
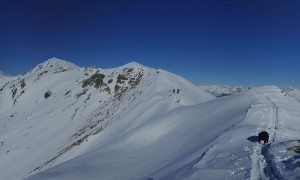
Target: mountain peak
x=56, y=62
x=133, y=64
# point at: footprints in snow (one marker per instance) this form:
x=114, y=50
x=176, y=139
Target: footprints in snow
x=263, y=165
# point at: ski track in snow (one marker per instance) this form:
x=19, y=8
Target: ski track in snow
x=263, y=162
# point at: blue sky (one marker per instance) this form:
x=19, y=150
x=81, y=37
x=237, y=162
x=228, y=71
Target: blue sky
x=244, y=42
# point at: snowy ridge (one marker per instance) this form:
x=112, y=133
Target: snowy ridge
x=179, y=143
x=135, y=122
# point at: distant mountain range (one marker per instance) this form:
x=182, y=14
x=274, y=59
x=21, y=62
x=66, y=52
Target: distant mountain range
x=62, y=121
x=220, y=91
x=293, y=92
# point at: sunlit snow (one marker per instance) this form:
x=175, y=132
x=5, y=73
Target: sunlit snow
x=61, y=121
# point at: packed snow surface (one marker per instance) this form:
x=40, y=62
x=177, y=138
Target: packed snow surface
x=134, y=122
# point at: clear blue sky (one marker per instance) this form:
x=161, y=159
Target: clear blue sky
x=246, y=42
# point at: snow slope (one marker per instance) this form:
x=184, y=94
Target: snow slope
x=157, y=148
x=188, y=142
x=67, y=122
x=48, y=114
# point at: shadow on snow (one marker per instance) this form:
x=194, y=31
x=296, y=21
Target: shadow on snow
x=253, y=139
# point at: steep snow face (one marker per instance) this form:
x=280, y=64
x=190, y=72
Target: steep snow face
x=50, y=114
x=216, y=139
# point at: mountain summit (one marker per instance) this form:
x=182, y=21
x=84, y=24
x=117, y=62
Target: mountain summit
x=133, y=64
x=52, y=65
x=59, y=63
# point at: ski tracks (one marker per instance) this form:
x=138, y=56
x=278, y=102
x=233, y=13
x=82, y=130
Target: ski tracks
x=263, y=162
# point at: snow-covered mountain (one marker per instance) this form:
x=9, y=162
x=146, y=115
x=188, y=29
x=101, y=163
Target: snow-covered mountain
x=135, y=122
x=51, y=111
x=220, y=91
